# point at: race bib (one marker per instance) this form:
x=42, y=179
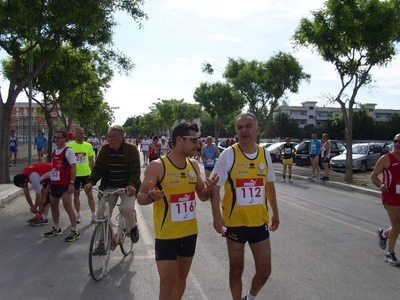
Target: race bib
x=209, y=160
x=54, y=175
x=313, y=147
x=288, y=151
x=183, y=207
x=250, y=191
x=80, y=158
x=12, y=144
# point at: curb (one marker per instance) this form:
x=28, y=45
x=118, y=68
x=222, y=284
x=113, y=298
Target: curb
x=9, y=195
x=338, y=185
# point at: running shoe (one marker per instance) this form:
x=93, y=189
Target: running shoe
x=79, y=218
x=53, y=232
x=135, y=234
x=381, y=240
x=73, y=236
x=9, y=164
x=34, y=219
x=283, y=180
x=290, y=180
x=40, y=222
x=244, y=298
x=93, y=220
x=100, y=250
x=391, y=259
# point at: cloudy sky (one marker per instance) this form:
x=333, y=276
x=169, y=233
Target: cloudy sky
x=180, y=35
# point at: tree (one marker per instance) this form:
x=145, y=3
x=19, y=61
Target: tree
x=363, y=124
x=174, y=111
x=220, y=101
x=354, y=36
x=29, y=24
x=265, y=84
x=283, y=125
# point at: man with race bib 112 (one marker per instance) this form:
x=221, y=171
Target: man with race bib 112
x=245, y=169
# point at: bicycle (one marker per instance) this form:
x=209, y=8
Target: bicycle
x=105, y=239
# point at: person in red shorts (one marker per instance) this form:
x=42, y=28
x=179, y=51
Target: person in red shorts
x=389, y=166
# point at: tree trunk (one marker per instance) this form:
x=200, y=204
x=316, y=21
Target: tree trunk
x=5, y=120
x=348, y=119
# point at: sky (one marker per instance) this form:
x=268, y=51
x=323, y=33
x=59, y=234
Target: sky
x=181, y=35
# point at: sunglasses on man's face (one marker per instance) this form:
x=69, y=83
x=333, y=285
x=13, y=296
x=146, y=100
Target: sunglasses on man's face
x=193, y=139
x=59, y=137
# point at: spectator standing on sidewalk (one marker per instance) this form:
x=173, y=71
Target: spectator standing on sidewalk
x=62, y=178
x=314, y=150
x=13, y=148
x=245, y=169
x=287, y=150
x=84, y=155
x=325, y=155
x=38, y=175
x=389, y=166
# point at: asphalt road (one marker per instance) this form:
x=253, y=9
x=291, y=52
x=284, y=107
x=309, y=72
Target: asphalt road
x=325, y=248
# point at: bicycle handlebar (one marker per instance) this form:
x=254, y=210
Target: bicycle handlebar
x=117, y=191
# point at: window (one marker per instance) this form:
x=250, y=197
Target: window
x=311, y=108
x=311, y=117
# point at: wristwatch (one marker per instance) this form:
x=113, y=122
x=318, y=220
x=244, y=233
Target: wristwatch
x=151, y=200
x=71, y=181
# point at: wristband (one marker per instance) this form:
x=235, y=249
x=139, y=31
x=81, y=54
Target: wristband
x=72, y=182
x=151, y=200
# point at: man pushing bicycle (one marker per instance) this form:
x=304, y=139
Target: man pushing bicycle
x=118, y=166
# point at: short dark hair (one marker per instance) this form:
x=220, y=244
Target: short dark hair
x=63, y=133
x=183, y=129
x=19, y=179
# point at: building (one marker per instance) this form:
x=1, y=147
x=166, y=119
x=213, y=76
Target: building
x=20, y=120
x=311, y=114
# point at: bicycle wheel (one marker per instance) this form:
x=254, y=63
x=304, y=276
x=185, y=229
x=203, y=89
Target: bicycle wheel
x=99, y=250
x=126, y=244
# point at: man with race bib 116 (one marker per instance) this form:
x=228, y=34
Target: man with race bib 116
x=171, y=184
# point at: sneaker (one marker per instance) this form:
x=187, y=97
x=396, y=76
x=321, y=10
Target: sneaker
x=312, y=177
x=53, y=232
x=9, y=164
x=78, y=219
x=381, y=240
x=100, y=250
x=34, y=219
x=392, y=260
x=283, y=180
x=73, y=236
x=40, y=222
x=290, y=180
x=244, y=298
x=93, y=221
x=325, y=178
x=15, y=164
x=135, y=234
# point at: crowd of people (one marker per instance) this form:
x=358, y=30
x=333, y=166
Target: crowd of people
x=247, y=213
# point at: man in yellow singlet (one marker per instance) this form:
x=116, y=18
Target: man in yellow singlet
x=247, y=173
x=171, y=183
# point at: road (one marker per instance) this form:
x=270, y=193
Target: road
x=325, y=248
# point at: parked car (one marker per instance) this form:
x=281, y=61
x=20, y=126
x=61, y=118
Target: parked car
x=274, y=150
x=221, y=146
x=303, y=155
x=365, y=156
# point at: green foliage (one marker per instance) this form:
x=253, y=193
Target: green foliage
x=353, y=35
x=265, y=84
x=220, y=101
x=282, y=126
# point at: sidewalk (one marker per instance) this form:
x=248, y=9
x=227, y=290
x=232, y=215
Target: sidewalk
x=9, y=192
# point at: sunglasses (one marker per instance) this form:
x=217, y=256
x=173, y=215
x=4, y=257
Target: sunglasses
x=396, y=141
x=59, y=137
x=193, y=139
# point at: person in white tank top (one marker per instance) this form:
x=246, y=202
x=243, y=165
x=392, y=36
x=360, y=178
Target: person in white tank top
x=325, y=155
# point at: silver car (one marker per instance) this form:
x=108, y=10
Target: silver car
x=364, y=157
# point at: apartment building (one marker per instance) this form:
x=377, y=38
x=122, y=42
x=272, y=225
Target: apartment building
x=311, y=114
